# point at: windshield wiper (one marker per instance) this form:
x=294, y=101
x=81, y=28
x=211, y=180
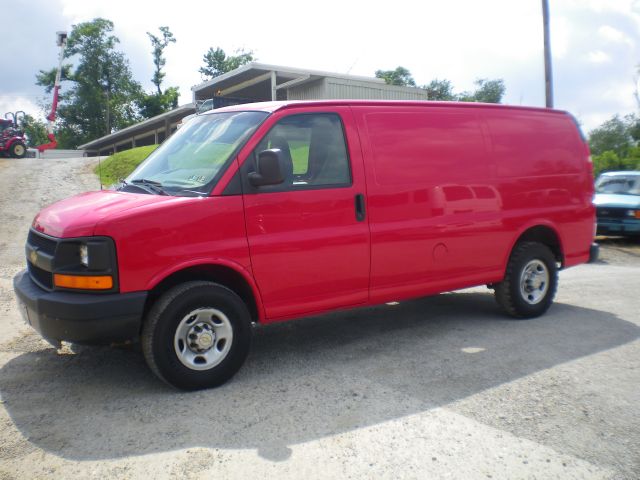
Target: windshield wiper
x=152, y=185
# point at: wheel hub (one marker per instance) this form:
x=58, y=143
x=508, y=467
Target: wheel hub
x=201, y=337
x=534, y=282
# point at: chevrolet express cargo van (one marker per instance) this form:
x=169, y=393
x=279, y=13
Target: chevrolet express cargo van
x=272, y=211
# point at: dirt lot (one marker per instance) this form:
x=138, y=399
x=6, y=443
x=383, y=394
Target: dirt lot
x=443, y=387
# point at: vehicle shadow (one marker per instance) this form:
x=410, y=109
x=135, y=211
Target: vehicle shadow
x=304, y=380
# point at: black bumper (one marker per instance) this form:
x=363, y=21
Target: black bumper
x=80, y=317
x=594, y=252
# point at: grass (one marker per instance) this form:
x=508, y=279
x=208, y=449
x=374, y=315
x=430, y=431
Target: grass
x=121, y=164
x=300, y=156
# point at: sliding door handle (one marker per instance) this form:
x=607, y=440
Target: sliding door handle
x=360, y=207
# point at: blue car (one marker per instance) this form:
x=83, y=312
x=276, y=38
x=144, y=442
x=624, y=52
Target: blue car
x=617, y=203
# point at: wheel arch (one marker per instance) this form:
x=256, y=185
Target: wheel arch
x=227, y=274
x=541, y=232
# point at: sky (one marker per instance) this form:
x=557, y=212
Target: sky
x=595, y=44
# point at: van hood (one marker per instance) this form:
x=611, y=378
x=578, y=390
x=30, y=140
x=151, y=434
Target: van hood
x=616, y=200
x=77, y=216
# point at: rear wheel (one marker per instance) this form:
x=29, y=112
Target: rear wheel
x=197, y=335
x=17, y=150
x=530, y=281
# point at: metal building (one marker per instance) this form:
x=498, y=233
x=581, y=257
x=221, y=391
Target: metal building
x=254, y=82
x=258, y=82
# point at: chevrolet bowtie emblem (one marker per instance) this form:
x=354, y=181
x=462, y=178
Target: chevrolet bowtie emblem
x=33, y=256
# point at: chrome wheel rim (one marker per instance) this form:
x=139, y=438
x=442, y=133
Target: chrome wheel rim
x=203, y=338
x=534, y=282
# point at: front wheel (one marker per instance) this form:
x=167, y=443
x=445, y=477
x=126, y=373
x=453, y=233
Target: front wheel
x=197, y=335
x=17, y=150
x=530, y=281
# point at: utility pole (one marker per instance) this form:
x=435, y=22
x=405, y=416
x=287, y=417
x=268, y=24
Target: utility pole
x=548, y=74
x=108, y=113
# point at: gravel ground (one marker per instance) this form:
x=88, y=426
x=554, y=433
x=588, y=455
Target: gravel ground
x=442, y=387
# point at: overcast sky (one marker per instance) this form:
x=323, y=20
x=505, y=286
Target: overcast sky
x=595, y=43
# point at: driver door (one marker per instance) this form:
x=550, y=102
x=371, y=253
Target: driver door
x=309, y=236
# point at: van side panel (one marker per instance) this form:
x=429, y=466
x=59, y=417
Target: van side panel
x=435, y=214
x=451, y=188
x=543, y=176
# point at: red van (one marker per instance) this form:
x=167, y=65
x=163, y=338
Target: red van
x=272, y=211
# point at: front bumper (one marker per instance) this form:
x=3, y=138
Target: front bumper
x=618, y=226
x=80, y=317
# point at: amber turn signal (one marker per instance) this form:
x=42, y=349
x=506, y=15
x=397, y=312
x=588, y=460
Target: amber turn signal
x=83, y=282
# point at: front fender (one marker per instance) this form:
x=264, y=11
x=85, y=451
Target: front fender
x=211, y=261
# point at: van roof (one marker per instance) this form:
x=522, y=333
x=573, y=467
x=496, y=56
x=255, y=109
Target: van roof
x=281, y=105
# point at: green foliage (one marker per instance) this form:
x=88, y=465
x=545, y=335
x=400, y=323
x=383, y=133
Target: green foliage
x=121, y=164
x=154, y=104
x=400, y=77
x=487, y=91
x=440, y=90
x=100, y=94
x=35, y=130
x=614, y=135
x=609, y=161
x=159, y=44
x=217, y=62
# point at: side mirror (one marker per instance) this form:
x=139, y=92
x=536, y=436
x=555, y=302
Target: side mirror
x=269, y=169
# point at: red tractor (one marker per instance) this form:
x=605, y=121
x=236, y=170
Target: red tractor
x=12, y=139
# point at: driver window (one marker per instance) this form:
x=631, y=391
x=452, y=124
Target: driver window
x=314, y=150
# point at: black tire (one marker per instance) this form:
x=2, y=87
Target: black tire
x=173, y=311
x=17, y=150
x=516, y=299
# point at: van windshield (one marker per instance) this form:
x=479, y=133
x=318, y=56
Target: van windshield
x=620, y=184
x=192, y=159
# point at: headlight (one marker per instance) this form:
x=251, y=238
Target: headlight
x=633, y=213
x=84, y=255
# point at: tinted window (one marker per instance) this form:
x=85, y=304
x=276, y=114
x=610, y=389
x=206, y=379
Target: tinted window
x=314, y=150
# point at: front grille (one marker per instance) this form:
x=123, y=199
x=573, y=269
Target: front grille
x=611, y=212
x=46, y=245
x=40, y=276
x=40, y=242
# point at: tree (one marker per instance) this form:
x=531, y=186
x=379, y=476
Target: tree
x=440, y=90
x=102, y=94
x=217, y=62
x=487, y=91
x=159, y=44
x=153, y=104
x=159, y=102
x=400, y=77
x=614, y=135
x=35, y=131
x=609, y=161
